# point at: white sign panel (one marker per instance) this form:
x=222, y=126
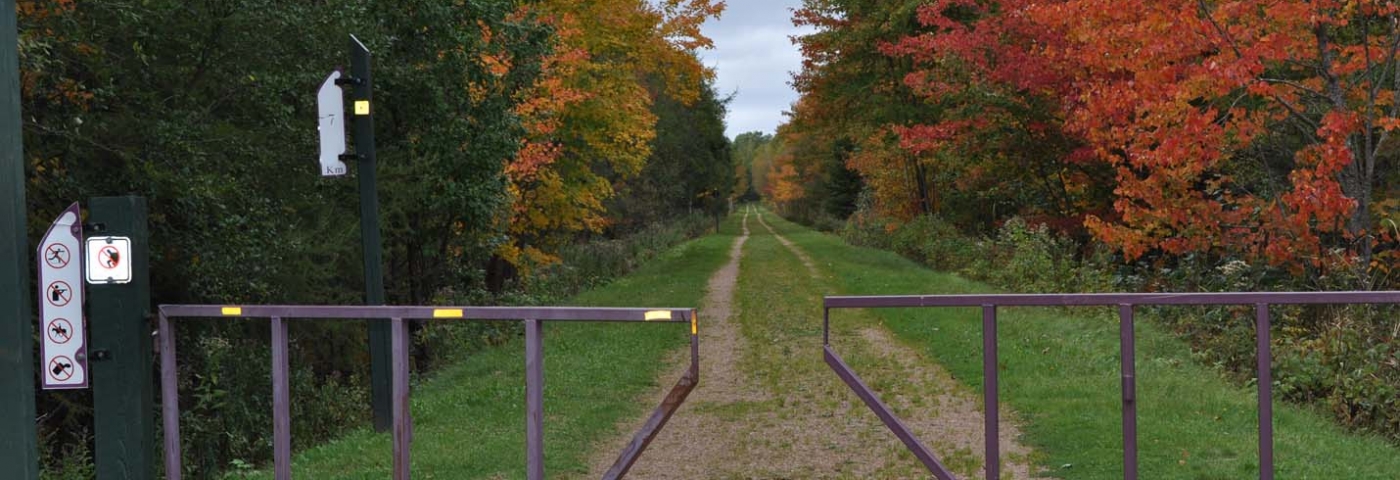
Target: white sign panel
x=64, y=346
x=109, y=260
x=330, y=105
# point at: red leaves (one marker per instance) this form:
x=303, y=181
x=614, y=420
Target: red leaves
x=921, y=139
x=1168, y=91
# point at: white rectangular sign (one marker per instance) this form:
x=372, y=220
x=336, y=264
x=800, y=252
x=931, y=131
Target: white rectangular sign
x=64, y=346
x=330, y=105
x=108, y=260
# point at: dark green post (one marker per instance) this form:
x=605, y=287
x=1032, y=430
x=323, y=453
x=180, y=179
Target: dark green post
x=19, y=454
x=380, y=358
x=119, y=332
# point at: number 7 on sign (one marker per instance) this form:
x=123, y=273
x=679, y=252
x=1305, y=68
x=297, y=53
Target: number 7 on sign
x=330, y=107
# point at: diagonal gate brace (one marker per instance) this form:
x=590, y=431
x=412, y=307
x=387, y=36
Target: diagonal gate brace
x=661, y=415
x=886, y=415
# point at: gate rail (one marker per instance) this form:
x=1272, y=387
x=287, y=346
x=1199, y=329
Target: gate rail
x=532, y=317
x=1125, y=303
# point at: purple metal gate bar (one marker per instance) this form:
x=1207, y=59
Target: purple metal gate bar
x=533, y=317
x=1125, y=303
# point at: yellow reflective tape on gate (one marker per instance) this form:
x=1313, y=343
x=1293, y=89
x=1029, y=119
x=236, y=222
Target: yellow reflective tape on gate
x=658, y=315
x=693, y=329
x=232, y=311
x=447, y=313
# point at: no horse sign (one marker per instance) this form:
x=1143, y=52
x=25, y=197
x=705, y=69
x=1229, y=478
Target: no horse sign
x=109, y=260
x=64, y=345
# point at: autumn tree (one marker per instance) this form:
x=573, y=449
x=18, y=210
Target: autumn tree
x=744, y=152
x=850, y=95
x=590, y=116
x=1247, y=127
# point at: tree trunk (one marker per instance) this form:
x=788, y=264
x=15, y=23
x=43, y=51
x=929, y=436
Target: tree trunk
x=1356, y=185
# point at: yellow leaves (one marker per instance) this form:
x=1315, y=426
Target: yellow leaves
x=590, y=112
x=786, y=185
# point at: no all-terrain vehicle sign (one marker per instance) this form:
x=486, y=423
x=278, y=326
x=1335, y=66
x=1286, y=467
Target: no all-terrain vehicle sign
x=109, y=260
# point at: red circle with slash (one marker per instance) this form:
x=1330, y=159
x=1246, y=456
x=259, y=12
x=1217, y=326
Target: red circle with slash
x=60, y=331
x=59, y=293
x=57, y=255
x=109, y=258
x=61, y=368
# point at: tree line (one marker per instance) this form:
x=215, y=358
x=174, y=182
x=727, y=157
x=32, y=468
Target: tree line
x=1181, y=145
x=1243, y=130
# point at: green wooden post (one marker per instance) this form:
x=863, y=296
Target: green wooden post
x=380, y=358
x=119, y=332
x=19, y=453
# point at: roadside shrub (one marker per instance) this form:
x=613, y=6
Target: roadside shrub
x=1028, y=258
x=582, y=266
x=1344, y=360
x=1341, y=359
x=226, y=422
x=75, y=460
x=935, y=243
x=1346, y=365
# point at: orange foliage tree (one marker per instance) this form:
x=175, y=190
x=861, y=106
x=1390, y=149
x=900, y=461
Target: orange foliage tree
x=1245, y=127
x=589, y=118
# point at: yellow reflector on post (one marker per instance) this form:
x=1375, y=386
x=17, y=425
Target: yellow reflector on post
x=693, y=319
x=658, y=315
x=232, y=311
x=447, y=313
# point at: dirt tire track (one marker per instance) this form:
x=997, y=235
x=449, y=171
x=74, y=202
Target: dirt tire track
x=721, y=381
x=811, y=426
x=957, y=421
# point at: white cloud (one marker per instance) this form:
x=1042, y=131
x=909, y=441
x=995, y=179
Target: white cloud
x=755, y=58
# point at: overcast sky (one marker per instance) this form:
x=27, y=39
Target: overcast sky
x=754, y=59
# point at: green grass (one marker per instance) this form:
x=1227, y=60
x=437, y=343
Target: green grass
x=778, y=311
x=1060, y=373
x=469, y=419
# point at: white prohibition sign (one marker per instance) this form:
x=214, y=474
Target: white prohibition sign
x=63, y=345
x=108, y=260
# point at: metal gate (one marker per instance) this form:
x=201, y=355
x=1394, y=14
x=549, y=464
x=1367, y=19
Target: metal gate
x=1125, y=303
x=532, y=317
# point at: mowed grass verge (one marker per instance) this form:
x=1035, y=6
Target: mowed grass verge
x=1060, y=372
x=469, y=419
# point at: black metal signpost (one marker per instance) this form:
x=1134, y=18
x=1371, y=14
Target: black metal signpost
x=19, y=455
x=362, y=97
